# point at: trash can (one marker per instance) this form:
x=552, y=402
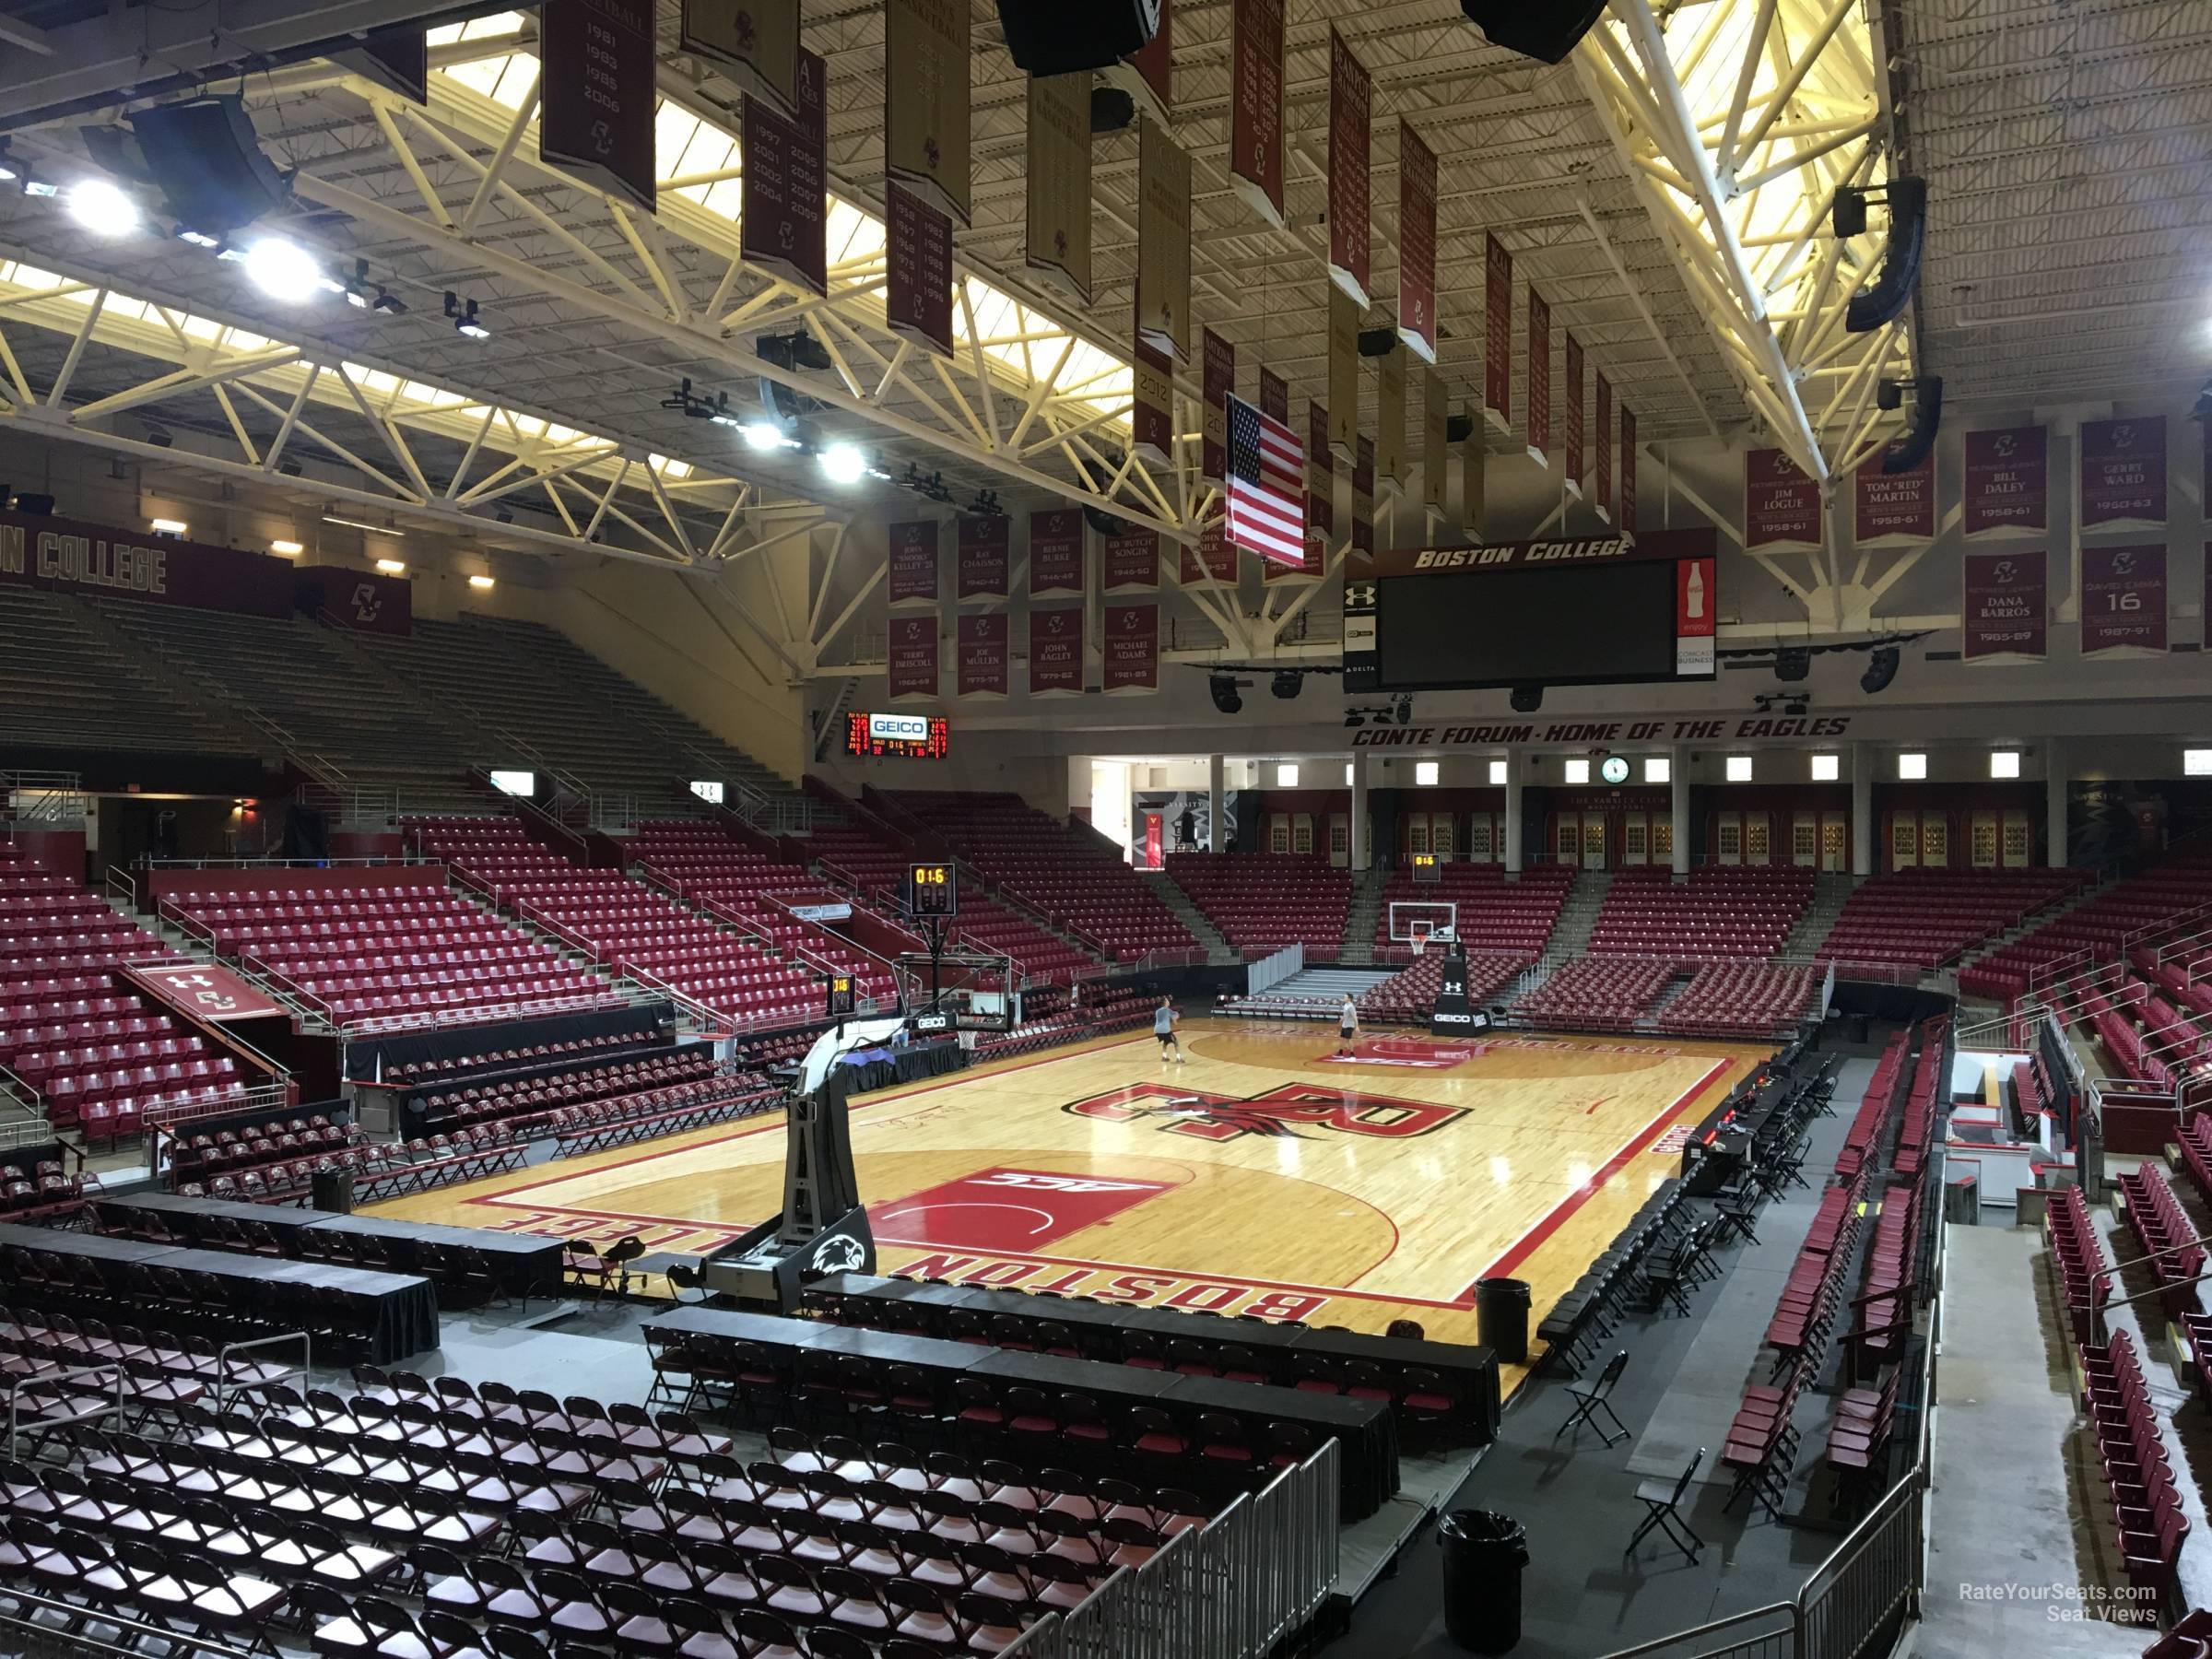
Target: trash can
x=1483, y=1553
x=331, y=1188
x=1502, y=1318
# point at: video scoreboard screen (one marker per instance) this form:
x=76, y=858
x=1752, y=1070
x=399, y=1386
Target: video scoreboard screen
x=900, y=737
x=1597, y=612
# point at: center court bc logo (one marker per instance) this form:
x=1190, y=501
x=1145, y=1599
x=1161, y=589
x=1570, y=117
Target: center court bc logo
x=1278, y=1114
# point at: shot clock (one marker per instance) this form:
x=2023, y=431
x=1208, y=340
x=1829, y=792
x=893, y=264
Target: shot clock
x=933, y=890
x=843, y=996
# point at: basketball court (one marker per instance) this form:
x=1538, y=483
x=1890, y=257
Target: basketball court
x=1264, y=1175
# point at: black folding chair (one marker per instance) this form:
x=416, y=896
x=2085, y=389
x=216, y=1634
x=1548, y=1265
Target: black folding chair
x=1589, y=1400
x=1661, y=1499
x=1736, y=1210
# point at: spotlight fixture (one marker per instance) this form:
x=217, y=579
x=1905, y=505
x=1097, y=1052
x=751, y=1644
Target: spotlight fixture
x=696, y=408
x=356, y=287
x=1526, y=699
x=168, y=526
x=466, y=321
x=986, y=505
x=198, y=238
x=1881, y=668
x=1354, y=719
x=1288, y=683
x=103, y=208
x=41, y=189
x=387, y=303
x=282, y=270
x=765, y=435
x=1223, y=689
x=1791, y=663
x=842, y=463
x=286, y=549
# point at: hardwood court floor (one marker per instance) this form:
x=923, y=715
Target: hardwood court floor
x=1261, y=1176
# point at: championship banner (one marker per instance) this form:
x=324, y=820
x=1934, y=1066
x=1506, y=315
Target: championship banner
x=1604, y=448
x=1573, y=442
x=1539, y=379
x=912, y=568
x=1059, y=157
x=981, y=669
x=1436, y=421
x=752, y=42
x=1152, y=405
x=2008, y=481
x=917, y=296
x=1893, y=506
x=1627, y=472
x=912, y=663
x=1316, y=559
x=1056, y=650
x=1363, y=497
x=1131, y=649
x=1321, y=486
x=1781, y=503
x=596, y=93
x=1131, y=559
x=2005, y=605
x=1218, y=367
x=1496, y=334
x=1350, y=92
x=1390, y=422
x=1163, y=244
x=2123, y=598
x=1344, y=373
x=783, y=198
x=69, y=556
x=1056, y=550
x=1274, y=396
x=1212, y=563
x=2124, y=471
x=1255, y=107
x=1416, y=243
x=1148, y=74
x=983, y=558
x=926, y=102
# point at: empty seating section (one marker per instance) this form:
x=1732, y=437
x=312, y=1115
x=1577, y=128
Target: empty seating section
x=1865, y=1140
x=538, y=1093
x=1738, y=996
x=1262, y=902
x=493, y=854
x=36, y=1184
x=2155, y=1215
x=95, y=1053
x=1721, y=911
x=1493, y=913
x=1598, y=993
x=2181, y=971
x=2095, y=931
x=1069, y=875
x=2138, y=1474
x=273, y=1160
x=2148, y=1037
x=1923, y=918
x=2084, y=1273
x=388, y=956
x=1411, y=993
x=1106, y=1010
x=66, y=686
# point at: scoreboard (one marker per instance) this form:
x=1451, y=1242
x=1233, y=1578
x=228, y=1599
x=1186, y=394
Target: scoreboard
x=933, y=890
x=904, y=736
x=1602, y=611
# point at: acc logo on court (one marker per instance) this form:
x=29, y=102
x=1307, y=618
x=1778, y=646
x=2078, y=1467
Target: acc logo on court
x=1278, y=1114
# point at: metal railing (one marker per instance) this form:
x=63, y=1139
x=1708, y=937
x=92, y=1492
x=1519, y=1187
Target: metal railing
x=23, y=1632
x=43, y=800
x=48, y=1384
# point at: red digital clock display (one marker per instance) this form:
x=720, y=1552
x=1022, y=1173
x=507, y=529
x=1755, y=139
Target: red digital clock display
x=900, y=737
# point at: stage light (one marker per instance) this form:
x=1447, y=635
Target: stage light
x=286, y=549
x=391, y=567
x=1354, y=719
x=282, y=270
x=483, y=584
x=1881, y=668
x=1527, y=699
x=466, y=321
x=842, y=463
x=103, y=208
x=1223, y=687
x=1288, y=683
x=387, y=303
x=168, y=526
x=765, y=435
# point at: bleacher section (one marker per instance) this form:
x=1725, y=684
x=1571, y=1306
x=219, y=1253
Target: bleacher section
x=2097, y=930
x=1721, y=911
x=1596, y=993
x=1922, y=918
x=1494, y=914
x=1411, y=993
x=2139, y=1474
x=66, y=686
x=1732, y=996
x=1262, y=902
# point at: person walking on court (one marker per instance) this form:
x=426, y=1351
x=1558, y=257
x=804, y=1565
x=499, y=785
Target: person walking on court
x=1347, y=1026
x=1163, y=1027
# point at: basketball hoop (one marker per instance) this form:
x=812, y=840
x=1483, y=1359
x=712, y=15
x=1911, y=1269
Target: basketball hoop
x=1419, y=931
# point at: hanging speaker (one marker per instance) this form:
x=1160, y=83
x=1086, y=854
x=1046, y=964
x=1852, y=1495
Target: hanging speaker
x=207, y=158
x=1543, y=30
x=1870, y=307
x=1051, y=37
x=1928, y=417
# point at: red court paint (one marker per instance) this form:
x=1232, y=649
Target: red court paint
x=1408, y=1051
x=1002, y=1209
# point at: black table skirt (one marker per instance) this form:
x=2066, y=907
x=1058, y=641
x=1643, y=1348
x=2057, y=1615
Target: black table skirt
x=1365, y=1432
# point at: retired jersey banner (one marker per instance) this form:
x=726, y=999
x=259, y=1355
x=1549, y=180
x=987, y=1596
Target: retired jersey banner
x=926, y=102
x=1627, y=472
x=912, y=663
x=2123, y=598
x=1148, y=74
x=911, y=574
x=1152, y=405
x=1056, y=650
x=1390, y=421
x=1540, y=379
x=1255, y=107
x=1781, y=503
x=1056, y=550
x=1604, y=448
x=1893, y=506
x=1436, y=442
x=752, y=42
x=983, y=558
x=2008, y=481
x=784, y=199
x=1344, y=373
x=981, y=669
x=1218, y=368
x=1363, y=497
x=1496, y=334
x=1131, y=559
x=1131, y=648
x=1212, y=563
x=1059, y=160
x=2005, y=609
x=1416, y=243
x=2124, y=471
x=1321, y=483
x=1572, y=444
x=597, y=94
x=917, y=295
x=1350, y=92
x=1163, y=244
x=1274, y=396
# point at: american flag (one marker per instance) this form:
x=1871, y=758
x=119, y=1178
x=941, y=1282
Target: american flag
x=1266, y=486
